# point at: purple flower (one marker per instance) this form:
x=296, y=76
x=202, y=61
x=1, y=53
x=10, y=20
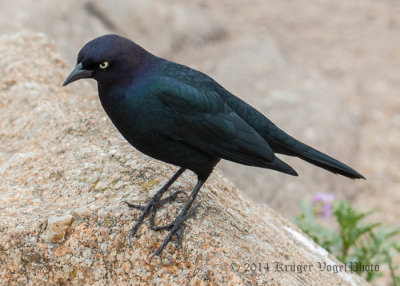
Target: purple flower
x=323, y=204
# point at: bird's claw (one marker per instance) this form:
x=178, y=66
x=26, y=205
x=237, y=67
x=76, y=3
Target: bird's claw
x=169, y=198
x=176, y=228
x=154, y=202
x=133, y=206
x=169, y=226
x=150, y=206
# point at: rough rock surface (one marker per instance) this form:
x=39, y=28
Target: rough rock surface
x=65, y=171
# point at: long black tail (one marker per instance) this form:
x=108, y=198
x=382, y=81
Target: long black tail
x=313, y=156
x=281, y=142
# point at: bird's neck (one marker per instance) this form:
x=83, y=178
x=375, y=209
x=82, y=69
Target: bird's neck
x=111, y=93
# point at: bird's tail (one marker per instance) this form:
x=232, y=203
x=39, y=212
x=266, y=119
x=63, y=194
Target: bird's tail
x=313, y=156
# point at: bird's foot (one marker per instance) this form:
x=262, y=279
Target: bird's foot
x=176, y=228
x=152, y=206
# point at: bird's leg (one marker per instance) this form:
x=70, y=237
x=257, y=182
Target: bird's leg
x=177, y=226
x=155, y=202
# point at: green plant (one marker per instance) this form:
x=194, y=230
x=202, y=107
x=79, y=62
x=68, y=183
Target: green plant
x=357, y=243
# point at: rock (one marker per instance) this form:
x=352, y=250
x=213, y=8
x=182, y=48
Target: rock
x=57, y=227
x=65, y=170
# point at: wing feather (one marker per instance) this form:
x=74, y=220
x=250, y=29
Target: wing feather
x=205, y=121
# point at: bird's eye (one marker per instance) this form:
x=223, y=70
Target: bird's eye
x=104, y=65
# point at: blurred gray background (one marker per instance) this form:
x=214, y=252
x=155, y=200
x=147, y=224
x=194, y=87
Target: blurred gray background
x=325, y=71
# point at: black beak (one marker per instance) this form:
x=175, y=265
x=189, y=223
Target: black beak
x=77, y=73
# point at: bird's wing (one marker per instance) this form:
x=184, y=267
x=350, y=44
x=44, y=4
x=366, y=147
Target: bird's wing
x=203, y=120
x=281, y=142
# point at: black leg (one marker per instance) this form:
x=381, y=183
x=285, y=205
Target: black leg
x=155, y=202
x=177, y=226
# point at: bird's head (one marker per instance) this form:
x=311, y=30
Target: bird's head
x=108, y=59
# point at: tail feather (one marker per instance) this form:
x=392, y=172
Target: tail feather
x=324, y=161
x=320, y=159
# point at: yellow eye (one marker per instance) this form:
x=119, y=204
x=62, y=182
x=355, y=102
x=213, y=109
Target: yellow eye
x=103, y=65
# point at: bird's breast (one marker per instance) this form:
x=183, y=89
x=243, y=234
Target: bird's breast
x=139, y=119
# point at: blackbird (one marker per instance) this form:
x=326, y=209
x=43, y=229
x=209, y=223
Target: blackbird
x=183, y=117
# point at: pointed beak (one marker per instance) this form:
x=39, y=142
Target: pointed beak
x=77, y=73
